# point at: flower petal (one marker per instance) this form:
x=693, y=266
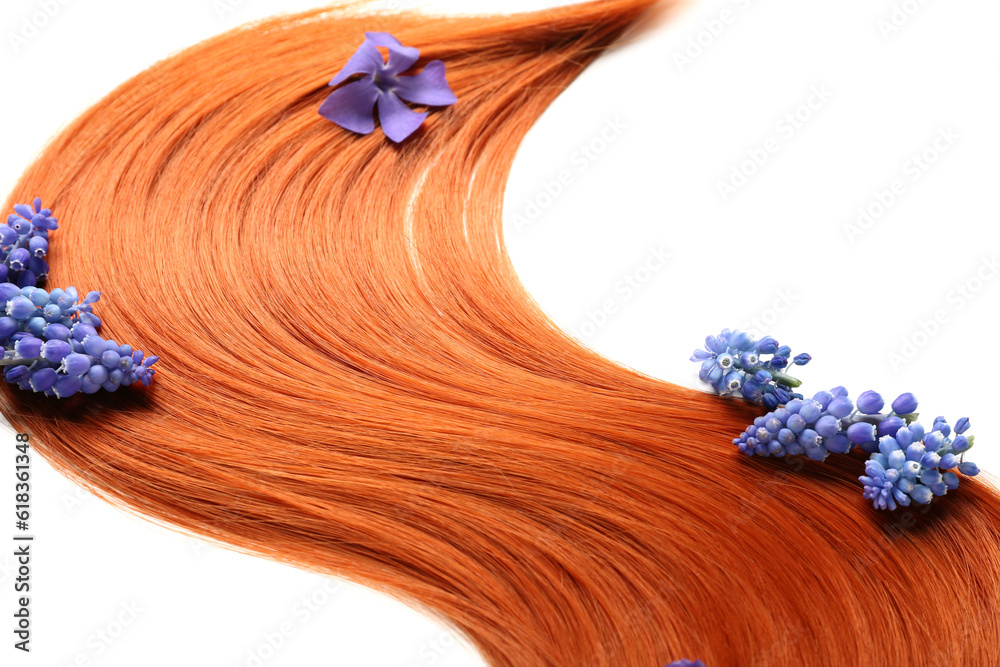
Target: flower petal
x=352, y=106
x=366, y=60
x=429, y=87
x=401, y=58
x=398, y=120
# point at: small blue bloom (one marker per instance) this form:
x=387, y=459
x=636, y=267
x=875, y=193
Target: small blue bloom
x=870, y=403
x=802, y=359
x=905, y=404
x=861, y=433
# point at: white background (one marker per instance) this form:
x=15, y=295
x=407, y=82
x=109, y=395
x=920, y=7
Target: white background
x=680, y=118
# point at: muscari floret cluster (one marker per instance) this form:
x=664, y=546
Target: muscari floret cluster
x=907, y=463
x=734, y=363
x=50, y=339
x=24, y=242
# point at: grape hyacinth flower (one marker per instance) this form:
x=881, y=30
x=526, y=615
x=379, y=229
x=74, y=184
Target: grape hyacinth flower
x=381, y=85
x=24, y=242
x=734, y=364
x=51, y=344
x=914, y=465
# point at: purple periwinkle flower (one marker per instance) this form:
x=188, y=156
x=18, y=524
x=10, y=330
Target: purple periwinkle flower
x=382, y=85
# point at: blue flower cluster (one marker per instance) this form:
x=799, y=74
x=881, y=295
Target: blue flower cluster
x=912, y=465
x=906, y=462
x=49, y=339
x=734, y=364
x=24, y=242
x=51, y=344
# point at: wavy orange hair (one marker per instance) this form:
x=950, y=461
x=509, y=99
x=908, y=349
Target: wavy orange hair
x=354, y=381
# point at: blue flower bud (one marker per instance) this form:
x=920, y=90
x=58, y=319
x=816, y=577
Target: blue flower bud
x=930, y=477
x=751, y=390
x=8, y=326
x=95, y=345
x=778, y=362
x=950, y=480
x=87, y=386
x=716, y=345
x=962, y=425
x=8, y=236
x=793, y=406
x=762, y=376
x=904, y=437
x=933, y=441
x=51, y=313
x=943, y=428
x=890, y=426
x=918, y=431
x=66, y=386
x=35, y=326
x=808, y=437
x=828, y=426
x=948, y=461
x=784, y=351
x=824, y=398
x=838, y=443
x=28, y=347
x=897, y=459
x=75, y=364
x=16, y=374
x=870, y=403
x=888, y=445
x=930, y=460
x=55, y=332
x=43, y=379
x=781, y=395
x=20, y=308
x=733, y=380
x=39, y=297
x=915, y=451
x=960, y=444
x=801, y=359
x=56, y=350
x=38, y=246
x=921, y=494
x=770, y=402
x=968, y=468
x=786, y=437
x=110, y=359
x=860, y=433
x=796, y=423
x=18, y=259
x=81, y=331
x=905, y=404
x=767, y=345
x=840, y=407
x=810, y=411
